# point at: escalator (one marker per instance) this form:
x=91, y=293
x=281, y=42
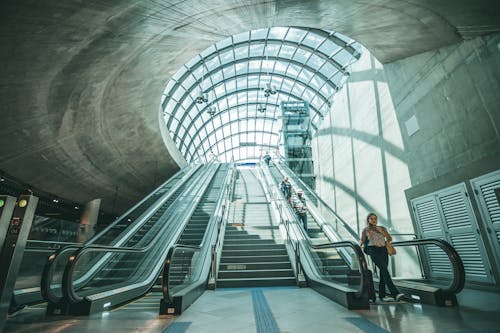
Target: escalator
x=338, y=269
x=326, y=229
x=49, y=234
x=81, y=280
x=332, y=264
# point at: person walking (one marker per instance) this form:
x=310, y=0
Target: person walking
x=377, y=237
x=300, y=207
x=267, y=158
x=286, y=188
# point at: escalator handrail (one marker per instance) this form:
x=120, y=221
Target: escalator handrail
x=57, y=245
x=145, y=219
x=168, y=260
x=166, y=268
x=67, y=285
x=221, y=225
x=458, y=282
x=359, y=255
x=48, y=272
x=217, y=207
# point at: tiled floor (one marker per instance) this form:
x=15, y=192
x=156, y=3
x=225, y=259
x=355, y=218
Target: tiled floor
x=292, y=310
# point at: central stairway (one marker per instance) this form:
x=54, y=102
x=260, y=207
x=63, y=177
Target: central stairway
x=253, y=254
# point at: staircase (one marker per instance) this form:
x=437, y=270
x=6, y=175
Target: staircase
x=253, y=254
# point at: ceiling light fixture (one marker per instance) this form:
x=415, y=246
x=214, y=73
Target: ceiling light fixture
x=211, y=111
x=268, y=90
x=202, y=97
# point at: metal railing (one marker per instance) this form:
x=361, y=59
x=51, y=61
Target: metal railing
x=219, y=242
x=184, y=265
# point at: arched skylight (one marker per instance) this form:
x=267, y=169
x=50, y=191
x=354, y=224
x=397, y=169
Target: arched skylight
x=225, y=102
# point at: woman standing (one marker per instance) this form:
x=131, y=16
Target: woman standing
x=377, y=237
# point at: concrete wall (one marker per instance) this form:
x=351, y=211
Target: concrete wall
x=414, y=121
x=453, y=94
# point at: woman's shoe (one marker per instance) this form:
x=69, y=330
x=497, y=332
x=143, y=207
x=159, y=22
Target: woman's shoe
x=399, y=297
x=387, y=299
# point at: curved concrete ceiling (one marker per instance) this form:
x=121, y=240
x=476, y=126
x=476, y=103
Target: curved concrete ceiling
x=81, y=81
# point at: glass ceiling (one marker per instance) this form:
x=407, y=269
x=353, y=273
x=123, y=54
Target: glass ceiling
x=225, y=102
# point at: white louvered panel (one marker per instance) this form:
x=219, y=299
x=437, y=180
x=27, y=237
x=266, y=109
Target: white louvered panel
x=454, y=210
x=485, y=187
x=466, y=246
x=492, y=206
x=428, y=217
x=438, y=261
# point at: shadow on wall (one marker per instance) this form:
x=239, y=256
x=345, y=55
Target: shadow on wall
x=365, y=166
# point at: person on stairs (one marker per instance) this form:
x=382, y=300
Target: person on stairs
x=267, y=158
x=300, y=207
x=286, y=188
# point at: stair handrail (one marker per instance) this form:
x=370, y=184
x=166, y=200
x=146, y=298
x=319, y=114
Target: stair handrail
x=458, y=282
x=219, y=242
x=214, y=222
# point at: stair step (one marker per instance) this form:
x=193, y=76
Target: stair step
x=253, y=259
x=255, y=265
x=255, y=282
x=251, y=241
x=256, y=252
x=255, y=273
x=251, y=247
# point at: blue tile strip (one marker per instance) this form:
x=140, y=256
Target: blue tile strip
x=366, y=325
x=177, y=327
x=264, y=318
